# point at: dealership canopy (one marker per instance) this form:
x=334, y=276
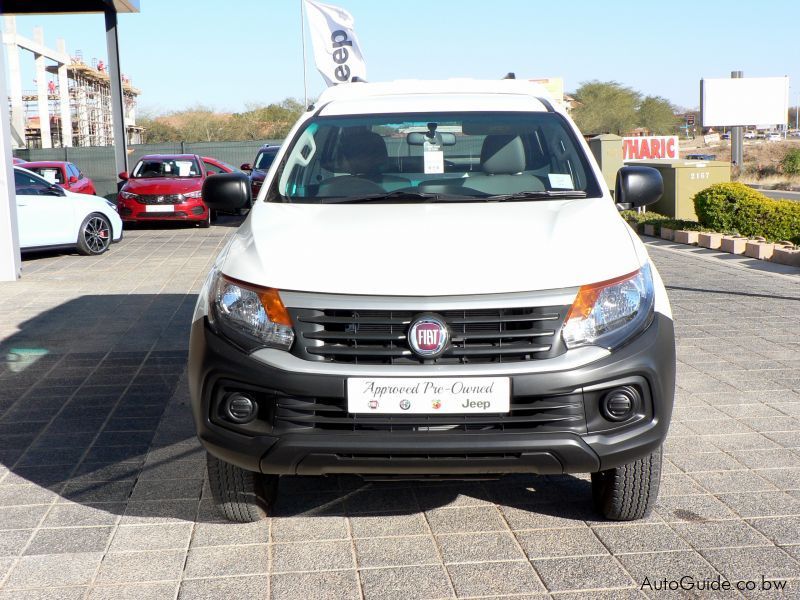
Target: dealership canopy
x=10, y=263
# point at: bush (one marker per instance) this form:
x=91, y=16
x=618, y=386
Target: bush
x=682, y=225
x=734, y=207
x=638, y=220
x=635, y=218
x=790, y=163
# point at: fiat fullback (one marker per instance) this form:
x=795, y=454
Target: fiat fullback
x=434, y=280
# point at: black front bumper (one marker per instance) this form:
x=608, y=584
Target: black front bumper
x=648, y=362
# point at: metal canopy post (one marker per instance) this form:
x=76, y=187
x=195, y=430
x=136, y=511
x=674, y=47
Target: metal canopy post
x=117, y=99
x=10, y=261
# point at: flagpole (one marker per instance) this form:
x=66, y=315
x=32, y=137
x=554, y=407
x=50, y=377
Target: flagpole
x=303, y=35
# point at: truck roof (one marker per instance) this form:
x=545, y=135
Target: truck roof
x=450, y=94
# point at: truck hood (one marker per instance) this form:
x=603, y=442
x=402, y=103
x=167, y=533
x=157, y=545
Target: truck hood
x=431, y=249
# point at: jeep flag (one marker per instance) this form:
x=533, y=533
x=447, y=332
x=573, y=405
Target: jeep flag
x=336, y=49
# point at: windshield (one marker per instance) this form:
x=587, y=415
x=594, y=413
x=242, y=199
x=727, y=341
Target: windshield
x=434, y=157
x=51, y=174
x=166, y=167
x=264, y=159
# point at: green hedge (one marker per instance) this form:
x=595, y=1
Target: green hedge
x=638, y=220
x=737, y=208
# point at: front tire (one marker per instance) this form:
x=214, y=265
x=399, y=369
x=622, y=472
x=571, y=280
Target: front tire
x=241, y=496
x=629, y=491
x=205, y=223
x=94, y=235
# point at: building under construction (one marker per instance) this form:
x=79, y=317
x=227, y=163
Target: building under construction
x=71, y=105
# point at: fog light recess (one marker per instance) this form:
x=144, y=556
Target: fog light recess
x=239, y=408
x=620, y=403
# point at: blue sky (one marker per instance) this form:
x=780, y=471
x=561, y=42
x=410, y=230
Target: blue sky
x=227, y=55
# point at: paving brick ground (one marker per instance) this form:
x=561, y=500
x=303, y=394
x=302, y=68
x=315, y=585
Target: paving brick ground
x=102, y=491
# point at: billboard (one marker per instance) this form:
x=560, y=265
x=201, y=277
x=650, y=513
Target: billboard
x=744, y=101
x=649, y=147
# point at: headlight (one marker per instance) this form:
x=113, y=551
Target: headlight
x=609, y=313
x=195, y=194
x=251, y=316
x=128, y=195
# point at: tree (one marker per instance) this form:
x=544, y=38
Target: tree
x=200, y=124
x=605, y=107
x=270, y=121
x=657, y=115
x=157, y=131
x=204, y=124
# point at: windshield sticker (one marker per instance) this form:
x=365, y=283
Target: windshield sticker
x=433, y=158
x=561, y=181
x=184, y=167
x=51, y=175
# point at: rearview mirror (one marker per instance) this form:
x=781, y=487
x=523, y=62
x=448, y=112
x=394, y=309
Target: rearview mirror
x=227, y=191
x=417, y=138
x=637, y=186
x=123, y=175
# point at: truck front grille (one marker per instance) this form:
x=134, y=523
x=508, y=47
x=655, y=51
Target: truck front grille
x=528, y=413
x=477, y=336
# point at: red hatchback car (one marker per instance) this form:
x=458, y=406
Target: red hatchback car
x=164, y=187
x=65, y=174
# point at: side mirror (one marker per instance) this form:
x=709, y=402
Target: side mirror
x=123, y=175
x=246, y=167
x=227, y=191
x=637, y=186
x=73, y=179
x=56, y=190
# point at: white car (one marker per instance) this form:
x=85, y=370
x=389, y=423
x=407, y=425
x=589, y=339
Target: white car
x=434, y=281
x=49, y=216
x=774, y=137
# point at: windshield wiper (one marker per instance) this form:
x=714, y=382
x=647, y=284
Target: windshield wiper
x=396, y=195
x=540, y=195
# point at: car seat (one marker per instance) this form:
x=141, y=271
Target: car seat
x=363, y=156
x=503, y=163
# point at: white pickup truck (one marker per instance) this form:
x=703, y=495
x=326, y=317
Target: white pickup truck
x=433, y=281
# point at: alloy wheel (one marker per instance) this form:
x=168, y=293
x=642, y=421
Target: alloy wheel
x=97, y=234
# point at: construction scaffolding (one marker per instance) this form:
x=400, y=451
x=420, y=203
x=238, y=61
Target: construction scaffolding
x=90, y=105
x=52, y=118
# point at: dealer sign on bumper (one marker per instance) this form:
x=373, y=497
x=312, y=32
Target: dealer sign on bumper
x=428, y=395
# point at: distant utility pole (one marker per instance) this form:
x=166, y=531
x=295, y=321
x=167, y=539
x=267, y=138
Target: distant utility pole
x=737, y=134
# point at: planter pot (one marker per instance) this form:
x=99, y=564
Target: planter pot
x=733, y=245
x=650, y=230
x=686, y=237
x=786, y=256
x=667, y=233
x=759, y=250
x=710, y=240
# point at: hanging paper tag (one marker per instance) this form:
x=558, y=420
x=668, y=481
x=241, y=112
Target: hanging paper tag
x=562, y=181
x=433, y=158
